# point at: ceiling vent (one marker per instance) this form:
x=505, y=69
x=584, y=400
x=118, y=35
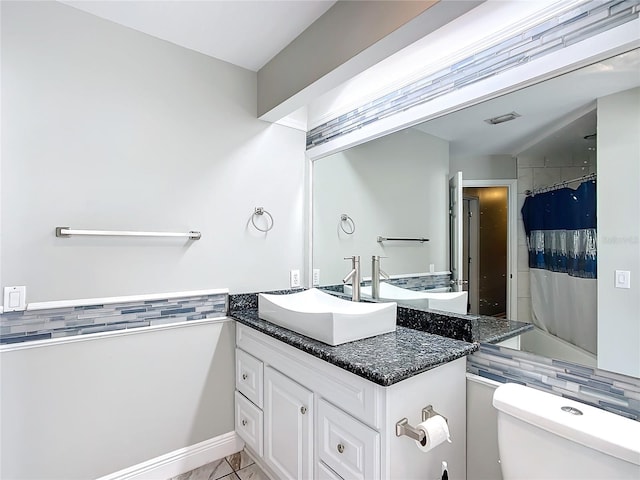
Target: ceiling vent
x=507, y=117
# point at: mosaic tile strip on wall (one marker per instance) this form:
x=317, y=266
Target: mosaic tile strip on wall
x=573, y=26
x=417, y=283
x=16, y=327
x=613, y=392
x=422, y=282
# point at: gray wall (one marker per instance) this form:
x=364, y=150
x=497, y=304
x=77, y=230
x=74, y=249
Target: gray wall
x=483, y=458
x=489, y=167
x=108, y=128
x=395, y=186
x=97, y=404
x=619, y=231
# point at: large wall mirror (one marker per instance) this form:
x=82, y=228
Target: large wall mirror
x=398, y=186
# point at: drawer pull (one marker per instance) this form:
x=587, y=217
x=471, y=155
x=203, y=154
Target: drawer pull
x=303, y=410
x=340, y=448
x=245, y=376
x=244, y=423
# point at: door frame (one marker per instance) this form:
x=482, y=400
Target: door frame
x=512, y=237
x=472, y=243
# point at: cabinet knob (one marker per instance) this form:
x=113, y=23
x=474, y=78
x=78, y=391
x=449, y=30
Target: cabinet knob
x=245, y=376
x=303, y=410
x=244, y=423
x=340, y=448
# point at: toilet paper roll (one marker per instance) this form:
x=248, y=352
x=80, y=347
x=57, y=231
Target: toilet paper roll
x=436, y=431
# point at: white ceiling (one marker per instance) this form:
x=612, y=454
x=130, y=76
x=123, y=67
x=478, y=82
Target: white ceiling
x=247, y=33
x=554, y=114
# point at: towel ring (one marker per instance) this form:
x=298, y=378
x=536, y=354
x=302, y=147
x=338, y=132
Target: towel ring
x=348, y=221
x=261, y=211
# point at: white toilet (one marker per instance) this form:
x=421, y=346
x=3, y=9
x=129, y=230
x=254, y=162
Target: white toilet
x=543, y=436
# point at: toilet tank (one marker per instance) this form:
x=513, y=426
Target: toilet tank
x=544, y=436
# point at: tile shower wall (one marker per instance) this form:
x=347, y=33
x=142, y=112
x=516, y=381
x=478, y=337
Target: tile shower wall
x=573, y=26
x=613, y=392
x=26, y=326
x=537, y=170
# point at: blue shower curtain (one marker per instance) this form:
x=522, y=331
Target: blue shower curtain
x=561, y=230
x=561, y=237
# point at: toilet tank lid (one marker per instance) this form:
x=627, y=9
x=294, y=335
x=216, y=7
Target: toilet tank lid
x=595, y=428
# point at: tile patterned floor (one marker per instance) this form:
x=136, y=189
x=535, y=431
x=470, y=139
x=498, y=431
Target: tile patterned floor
x=238, y=466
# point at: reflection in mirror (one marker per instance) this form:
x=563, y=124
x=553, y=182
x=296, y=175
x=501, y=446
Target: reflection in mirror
x=397, y=186
x=372, y=184
x=485, y=249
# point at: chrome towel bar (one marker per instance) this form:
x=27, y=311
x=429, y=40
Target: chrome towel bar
x=394, y=239
x=67, y=232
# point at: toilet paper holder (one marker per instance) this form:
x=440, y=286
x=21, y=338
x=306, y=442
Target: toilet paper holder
x=403, y=427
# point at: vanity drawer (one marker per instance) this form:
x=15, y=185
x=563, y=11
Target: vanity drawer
x=348, y=447
x=249, y=376
x=249, y=423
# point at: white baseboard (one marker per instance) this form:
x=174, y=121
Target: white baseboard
x=181, y=460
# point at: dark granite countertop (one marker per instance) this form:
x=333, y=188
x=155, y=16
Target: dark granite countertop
x=495, y=330
x=469, y=328
x=385, y=359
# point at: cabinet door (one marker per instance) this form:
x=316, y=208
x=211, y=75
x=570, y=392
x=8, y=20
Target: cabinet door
x=288, y=420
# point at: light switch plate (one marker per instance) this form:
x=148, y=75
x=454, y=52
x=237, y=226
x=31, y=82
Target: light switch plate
x=623, y=279
x=15, y=299
x=316, y=277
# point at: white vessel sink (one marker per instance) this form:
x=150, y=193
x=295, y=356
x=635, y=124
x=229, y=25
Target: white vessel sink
x=455, y=302
x=327, y=318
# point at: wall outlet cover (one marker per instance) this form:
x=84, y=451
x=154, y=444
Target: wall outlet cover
x=295, y=279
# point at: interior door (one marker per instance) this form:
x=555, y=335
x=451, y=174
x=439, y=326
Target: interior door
x=455, y=232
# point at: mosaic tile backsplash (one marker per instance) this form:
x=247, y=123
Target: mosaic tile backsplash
x=572, y=26
x=411, y=282
x=613, y=392
x=419, y=282
x=26, y=326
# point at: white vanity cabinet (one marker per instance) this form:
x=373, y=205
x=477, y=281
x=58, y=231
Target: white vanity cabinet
x=304, y=418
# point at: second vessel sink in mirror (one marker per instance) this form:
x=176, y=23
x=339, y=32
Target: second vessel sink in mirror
x=326, y=318
x=455, y=302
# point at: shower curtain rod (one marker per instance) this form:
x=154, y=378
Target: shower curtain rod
x=555, y=186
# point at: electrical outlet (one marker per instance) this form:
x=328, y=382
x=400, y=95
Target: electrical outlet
x=316, y=277
x=15, y=299
x=294, y=278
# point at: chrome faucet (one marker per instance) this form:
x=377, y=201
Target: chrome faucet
x=354, y=277
x=376, y=273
